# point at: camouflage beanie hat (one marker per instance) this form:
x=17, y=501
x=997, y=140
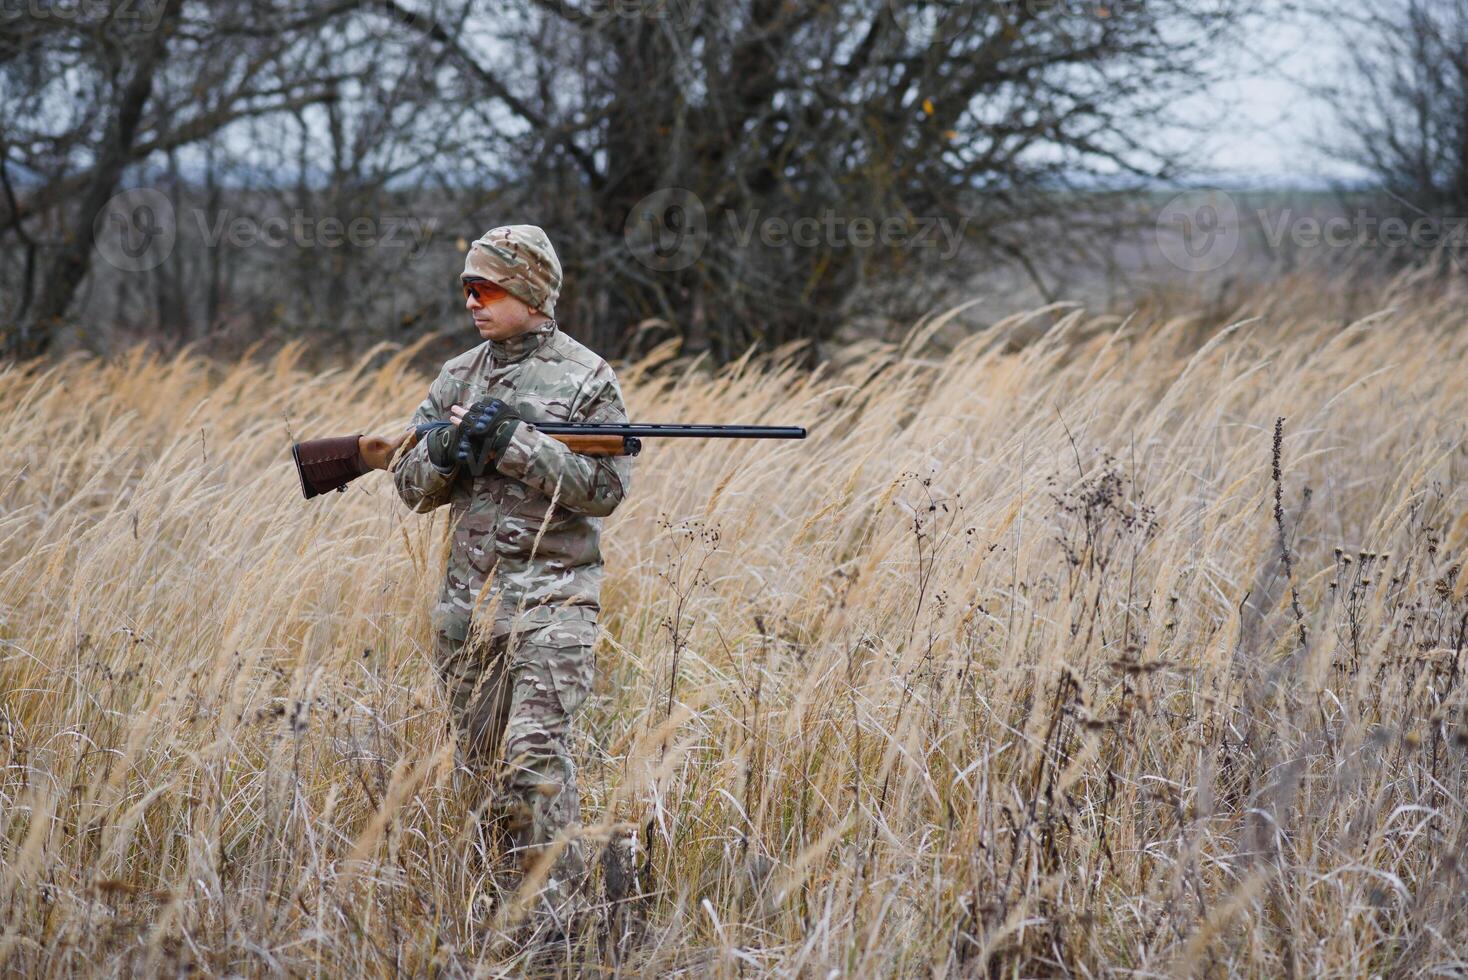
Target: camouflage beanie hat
x=519, y=258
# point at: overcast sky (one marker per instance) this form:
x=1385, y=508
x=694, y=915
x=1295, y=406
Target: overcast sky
x=1265, y=126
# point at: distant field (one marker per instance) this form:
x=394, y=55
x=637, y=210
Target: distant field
x=1031, y=659
x=1139, y=245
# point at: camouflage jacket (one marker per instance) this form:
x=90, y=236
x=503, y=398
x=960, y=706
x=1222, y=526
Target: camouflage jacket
x=539, y=561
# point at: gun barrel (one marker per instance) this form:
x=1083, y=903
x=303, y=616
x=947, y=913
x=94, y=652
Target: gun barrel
x=657, y=429
x=644, y=429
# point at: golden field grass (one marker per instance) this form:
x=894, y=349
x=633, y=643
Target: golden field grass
x=1026, y=662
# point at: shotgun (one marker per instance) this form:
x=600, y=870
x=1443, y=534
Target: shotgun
x=330, y=464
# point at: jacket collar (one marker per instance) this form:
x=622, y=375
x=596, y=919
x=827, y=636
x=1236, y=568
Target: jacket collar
x=518, y=348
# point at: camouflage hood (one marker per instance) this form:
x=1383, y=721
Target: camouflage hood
x=521, y=259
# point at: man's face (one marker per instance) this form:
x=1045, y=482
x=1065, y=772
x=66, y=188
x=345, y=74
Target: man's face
x=502, y=318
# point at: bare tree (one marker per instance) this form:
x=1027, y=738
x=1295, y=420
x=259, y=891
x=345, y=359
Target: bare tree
x=989, y=116
x=746, y=172
x=90, y=92
x=1402, y=105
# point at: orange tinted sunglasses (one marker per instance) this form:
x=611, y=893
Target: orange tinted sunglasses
x=484, y=291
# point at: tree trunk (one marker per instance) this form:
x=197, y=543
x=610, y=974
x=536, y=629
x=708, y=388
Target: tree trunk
x=67, y=271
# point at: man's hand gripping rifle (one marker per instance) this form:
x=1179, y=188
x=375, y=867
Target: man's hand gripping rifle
x=330, y=464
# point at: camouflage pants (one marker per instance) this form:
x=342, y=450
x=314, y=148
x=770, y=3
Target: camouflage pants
x=512, y=701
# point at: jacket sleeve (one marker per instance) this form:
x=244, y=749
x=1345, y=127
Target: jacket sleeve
x=422, y=485
x=591, y=485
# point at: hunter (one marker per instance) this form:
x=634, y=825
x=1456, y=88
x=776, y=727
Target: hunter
x=516, y=620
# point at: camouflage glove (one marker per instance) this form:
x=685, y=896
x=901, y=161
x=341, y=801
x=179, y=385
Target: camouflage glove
x=443, y=447
x=485, y=432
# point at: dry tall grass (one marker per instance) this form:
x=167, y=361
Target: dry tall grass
x=1023, y=662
